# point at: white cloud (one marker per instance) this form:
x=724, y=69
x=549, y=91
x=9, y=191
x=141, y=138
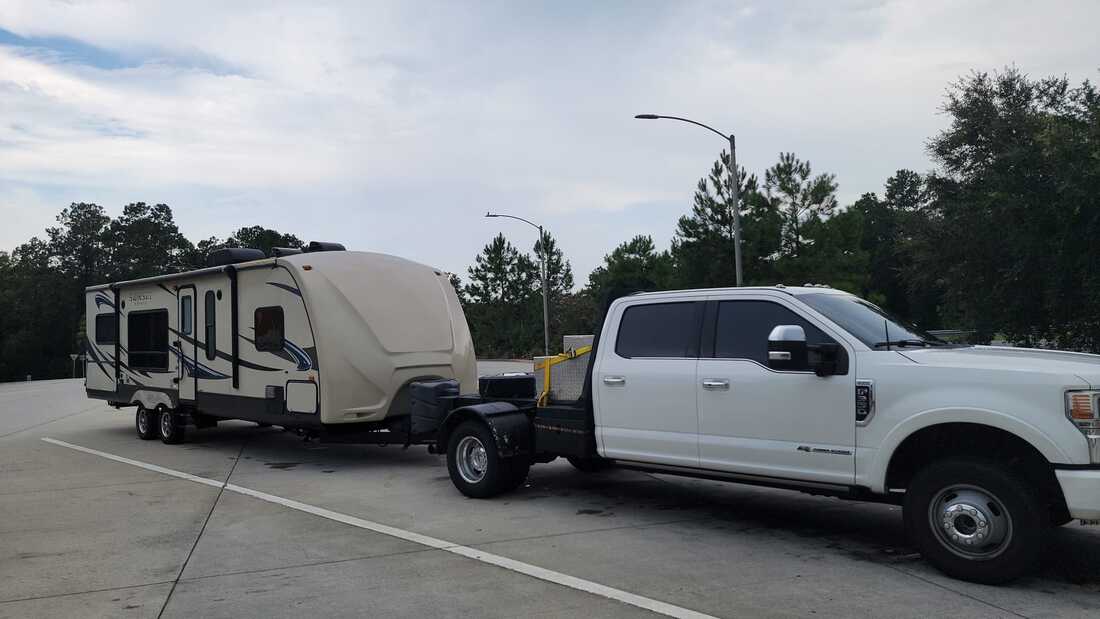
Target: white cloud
x=397, y=126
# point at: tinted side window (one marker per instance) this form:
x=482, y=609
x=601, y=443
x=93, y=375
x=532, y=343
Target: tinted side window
x=147, y=339
x=209, y=314
x=743, y=328
x=269, y=329
x=660, y=330
x=105, y=329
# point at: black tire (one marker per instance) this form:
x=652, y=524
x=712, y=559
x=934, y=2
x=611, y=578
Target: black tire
x=263, y=424
x=170, y=429
x=478, y=475
x=982, y=502
x=145, y=422
x=590, y=465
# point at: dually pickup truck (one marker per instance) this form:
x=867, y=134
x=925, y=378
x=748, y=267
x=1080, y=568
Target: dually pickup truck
x=815, y=390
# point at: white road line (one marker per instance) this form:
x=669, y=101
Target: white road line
x=534, y=571
x=138, y=463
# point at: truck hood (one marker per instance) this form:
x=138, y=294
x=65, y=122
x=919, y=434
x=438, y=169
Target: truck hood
x=1082, y=365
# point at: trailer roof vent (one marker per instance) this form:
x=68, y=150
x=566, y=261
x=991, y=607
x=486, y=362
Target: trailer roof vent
x=232, y=255
x=324, y=246
x=276, y=252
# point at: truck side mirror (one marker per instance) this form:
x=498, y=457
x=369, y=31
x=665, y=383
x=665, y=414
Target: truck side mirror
x=824, y=359
x=787, y=348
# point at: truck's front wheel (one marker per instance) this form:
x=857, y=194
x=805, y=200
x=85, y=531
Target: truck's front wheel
x=475, y=465
x=974, y=520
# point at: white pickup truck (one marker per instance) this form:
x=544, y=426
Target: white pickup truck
x=813, y=389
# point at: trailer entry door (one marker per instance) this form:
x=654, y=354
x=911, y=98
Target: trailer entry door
x=185, y=345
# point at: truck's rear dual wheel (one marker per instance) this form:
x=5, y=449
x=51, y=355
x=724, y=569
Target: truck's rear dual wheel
x=975, y=520
x=476, y=467
x=145, y=421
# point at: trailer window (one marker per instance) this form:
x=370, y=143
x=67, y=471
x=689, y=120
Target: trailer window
x=105, y=329
x=187, y=315
x=743, y=328
x=660, y=330
x=209, y=313
x=269, y=329
x=147, y=339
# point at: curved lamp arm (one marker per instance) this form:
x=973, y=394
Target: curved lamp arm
x=686, y=120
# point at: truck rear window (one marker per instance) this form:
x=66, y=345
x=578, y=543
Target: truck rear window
x=660, y=330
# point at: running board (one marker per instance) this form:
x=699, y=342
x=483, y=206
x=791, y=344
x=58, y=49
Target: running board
x=812, y=487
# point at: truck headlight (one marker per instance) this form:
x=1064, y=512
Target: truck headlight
x=1083, y=409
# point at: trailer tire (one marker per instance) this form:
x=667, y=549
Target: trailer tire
x=170, y=429
x=589, y=465
x=475, y=465
x=146, y=422
x=959, y=500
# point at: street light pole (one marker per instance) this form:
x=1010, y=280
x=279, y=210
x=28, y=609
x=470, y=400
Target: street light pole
x=734, y=187
x=735, y=206
x=544, y=271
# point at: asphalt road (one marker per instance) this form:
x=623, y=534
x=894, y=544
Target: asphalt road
x=242, y=521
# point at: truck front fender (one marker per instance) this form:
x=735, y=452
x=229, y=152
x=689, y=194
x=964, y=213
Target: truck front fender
x=509, y=425
x=1031, y=434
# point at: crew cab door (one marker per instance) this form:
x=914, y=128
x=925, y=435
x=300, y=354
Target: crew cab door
x=789, y=424
x=645, y=396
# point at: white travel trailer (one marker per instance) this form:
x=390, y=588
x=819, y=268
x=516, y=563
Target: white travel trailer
x=322, y=341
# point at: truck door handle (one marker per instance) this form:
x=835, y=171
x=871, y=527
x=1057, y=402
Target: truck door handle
x=716, y=384
x=614, y=380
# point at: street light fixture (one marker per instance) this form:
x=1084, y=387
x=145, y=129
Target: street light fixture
x=544, y=267
x=734, y=189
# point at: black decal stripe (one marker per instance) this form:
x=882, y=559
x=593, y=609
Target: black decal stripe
x=97, y=357
x=225, y=356
x=290, y=289
x=167, y=289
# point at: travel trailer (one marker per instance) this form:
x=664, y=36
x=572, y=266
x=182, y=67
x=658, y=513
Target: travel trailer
x=321, y=341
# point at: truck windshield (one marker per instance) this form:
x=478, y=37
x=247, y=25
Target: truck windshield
x=873, y=325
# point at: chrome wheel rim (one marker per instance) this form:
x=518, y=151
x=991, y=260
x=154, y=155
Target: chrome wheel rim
x=165, y=424
x=472, y=459
x=143, y=421
x=970, y=522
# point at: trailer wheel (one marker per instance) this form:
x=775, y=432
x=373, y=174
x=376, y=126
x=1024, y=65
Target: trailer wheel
x=589, y=465
x=170, y=429
x=974, y=520
x=475, y=466
x=145, y=421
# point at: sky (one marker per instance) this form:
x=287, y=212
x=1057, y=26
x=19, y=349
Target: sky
x=395, y=127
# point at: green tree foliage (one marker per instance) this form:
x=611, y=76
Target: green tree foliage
x=703, y=246
x=633, y=266
x=800, y=199
x=143, y=241
x=1009, y=236
x=264, y=239
x=501, y=284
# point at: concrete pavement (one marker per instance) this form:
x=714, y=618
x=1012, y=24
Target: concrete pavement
x=81, y=535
